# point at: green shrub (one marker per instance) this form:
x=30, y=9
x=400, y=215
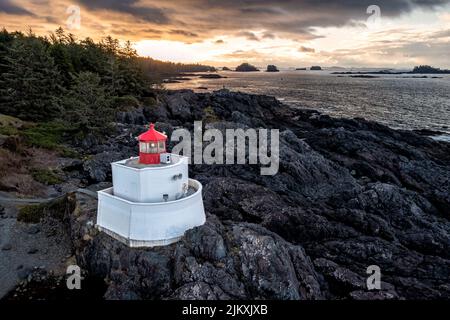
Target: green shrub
x=149, y=101
x=9, y=126
x=35, y=212
x=8, y=131
x=31, y=214
x=45, y=176
x=126, y=103
x=45, y=135
x=210, y=115
x=49, y=135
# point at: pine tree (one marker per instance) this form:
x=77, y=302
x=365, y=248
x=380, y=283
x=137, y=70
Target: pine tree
x=87, y=105
x=30, y=83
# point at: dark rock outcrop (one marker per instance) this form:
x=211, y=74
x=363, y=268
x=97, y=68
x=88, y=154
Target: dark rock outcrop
x=246, y=67
x=349, y=194
x=211, y=76
x=272, y=68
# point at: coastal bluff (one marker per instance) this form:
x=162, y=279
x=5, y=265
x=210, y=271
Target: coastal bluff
x=349, y=194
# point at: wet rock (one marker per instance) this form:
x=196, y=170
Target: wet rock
x=6, y=247
x=23, y=273
x=98, y=168
x=33, y=229
x=349, y=194
x=75, y=164
x=32, y=251
x=135, y=116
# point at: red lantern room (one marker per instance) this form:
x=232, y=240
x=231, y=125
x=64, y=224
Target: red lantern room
x=151, y=144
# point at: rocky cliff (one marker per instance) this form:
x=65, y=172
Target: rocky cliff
x=349, y=194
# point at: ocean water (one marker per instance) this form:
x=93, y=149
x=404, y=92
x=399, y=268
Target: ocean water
x=398, y=101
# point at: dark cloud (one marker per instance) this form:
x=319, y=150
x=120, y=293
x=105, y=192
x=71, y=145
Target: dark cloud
x=306, y=49
x=201, y=19
x=7, y=7
x=147, y=33
x=288, y=17
x=441, y=34
x=183, y=33
x=133, y=7
x=249, y=35
x=268, y=35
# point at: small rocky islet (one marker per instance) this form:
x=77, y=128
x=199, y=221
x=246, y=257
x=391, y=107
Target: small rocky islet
x=349, y=193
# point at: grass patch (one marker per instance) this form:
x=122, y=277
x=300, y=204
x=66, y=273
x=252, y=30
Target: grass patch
x=35, y=212
x=31, y=214
x=9, y=126
x=46, y=135
x=8, y=131
x=49, y=135
x=45, y=176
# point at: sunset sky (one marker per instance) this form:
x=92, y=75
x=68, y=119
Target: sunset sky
x=226, y=33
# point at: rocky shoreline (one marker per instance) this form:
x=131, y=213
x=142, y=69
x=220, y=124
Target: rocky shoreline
x=349, y=194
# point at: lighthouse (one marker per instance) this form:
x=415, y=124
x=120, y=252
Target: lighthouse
x=152, y=201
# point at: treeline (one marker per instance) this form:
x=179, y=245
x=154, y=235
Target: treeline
x=428, y=69
x=80, y=82
x=156, y=68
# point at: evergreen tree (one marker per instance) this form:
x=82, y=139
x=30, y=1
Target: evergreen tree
x=40, y=76
x=87, y=104
x=59, y=51
x=30, y=82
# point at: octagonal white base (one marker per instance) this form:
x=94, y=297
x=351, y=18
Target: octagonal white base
x=149, y=224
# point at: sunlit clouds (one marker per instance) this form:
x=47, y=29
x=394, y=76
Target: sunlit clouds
x=226, y=33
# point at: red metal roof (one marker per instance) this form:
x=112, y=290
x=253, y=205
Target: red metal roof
x=152, y=135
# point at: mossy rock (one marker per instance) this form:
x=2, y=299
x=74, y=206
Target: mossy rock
x=9, y=126
x=56, y=208
x=45, y=176
x=31, y=214
x=209, y=115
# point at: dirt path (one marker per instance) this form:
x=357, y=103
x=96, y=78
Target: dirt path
x=15, y=200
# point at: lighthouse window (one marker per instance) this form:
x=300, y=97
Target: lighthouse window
x=143, y=147
x=161, y=146
x=153, y=148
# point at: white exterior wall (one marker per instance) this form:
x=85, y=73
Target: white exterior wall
x=149, y=224
x=151, y=183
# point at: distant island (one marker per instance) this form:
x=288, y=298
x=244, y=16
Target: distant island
x=226, y=69
x=429, y=69
x=300, y=68
x=315, y=68
x=246, y=67
x=211, y=76
x=272, y=68
x=424, y=69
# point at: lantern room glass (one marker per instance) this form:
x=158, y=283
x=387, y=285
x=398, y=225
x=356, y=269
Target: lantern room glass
x=161, y=146
x=148, y=147
x=152, y=147
x=143, y=147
